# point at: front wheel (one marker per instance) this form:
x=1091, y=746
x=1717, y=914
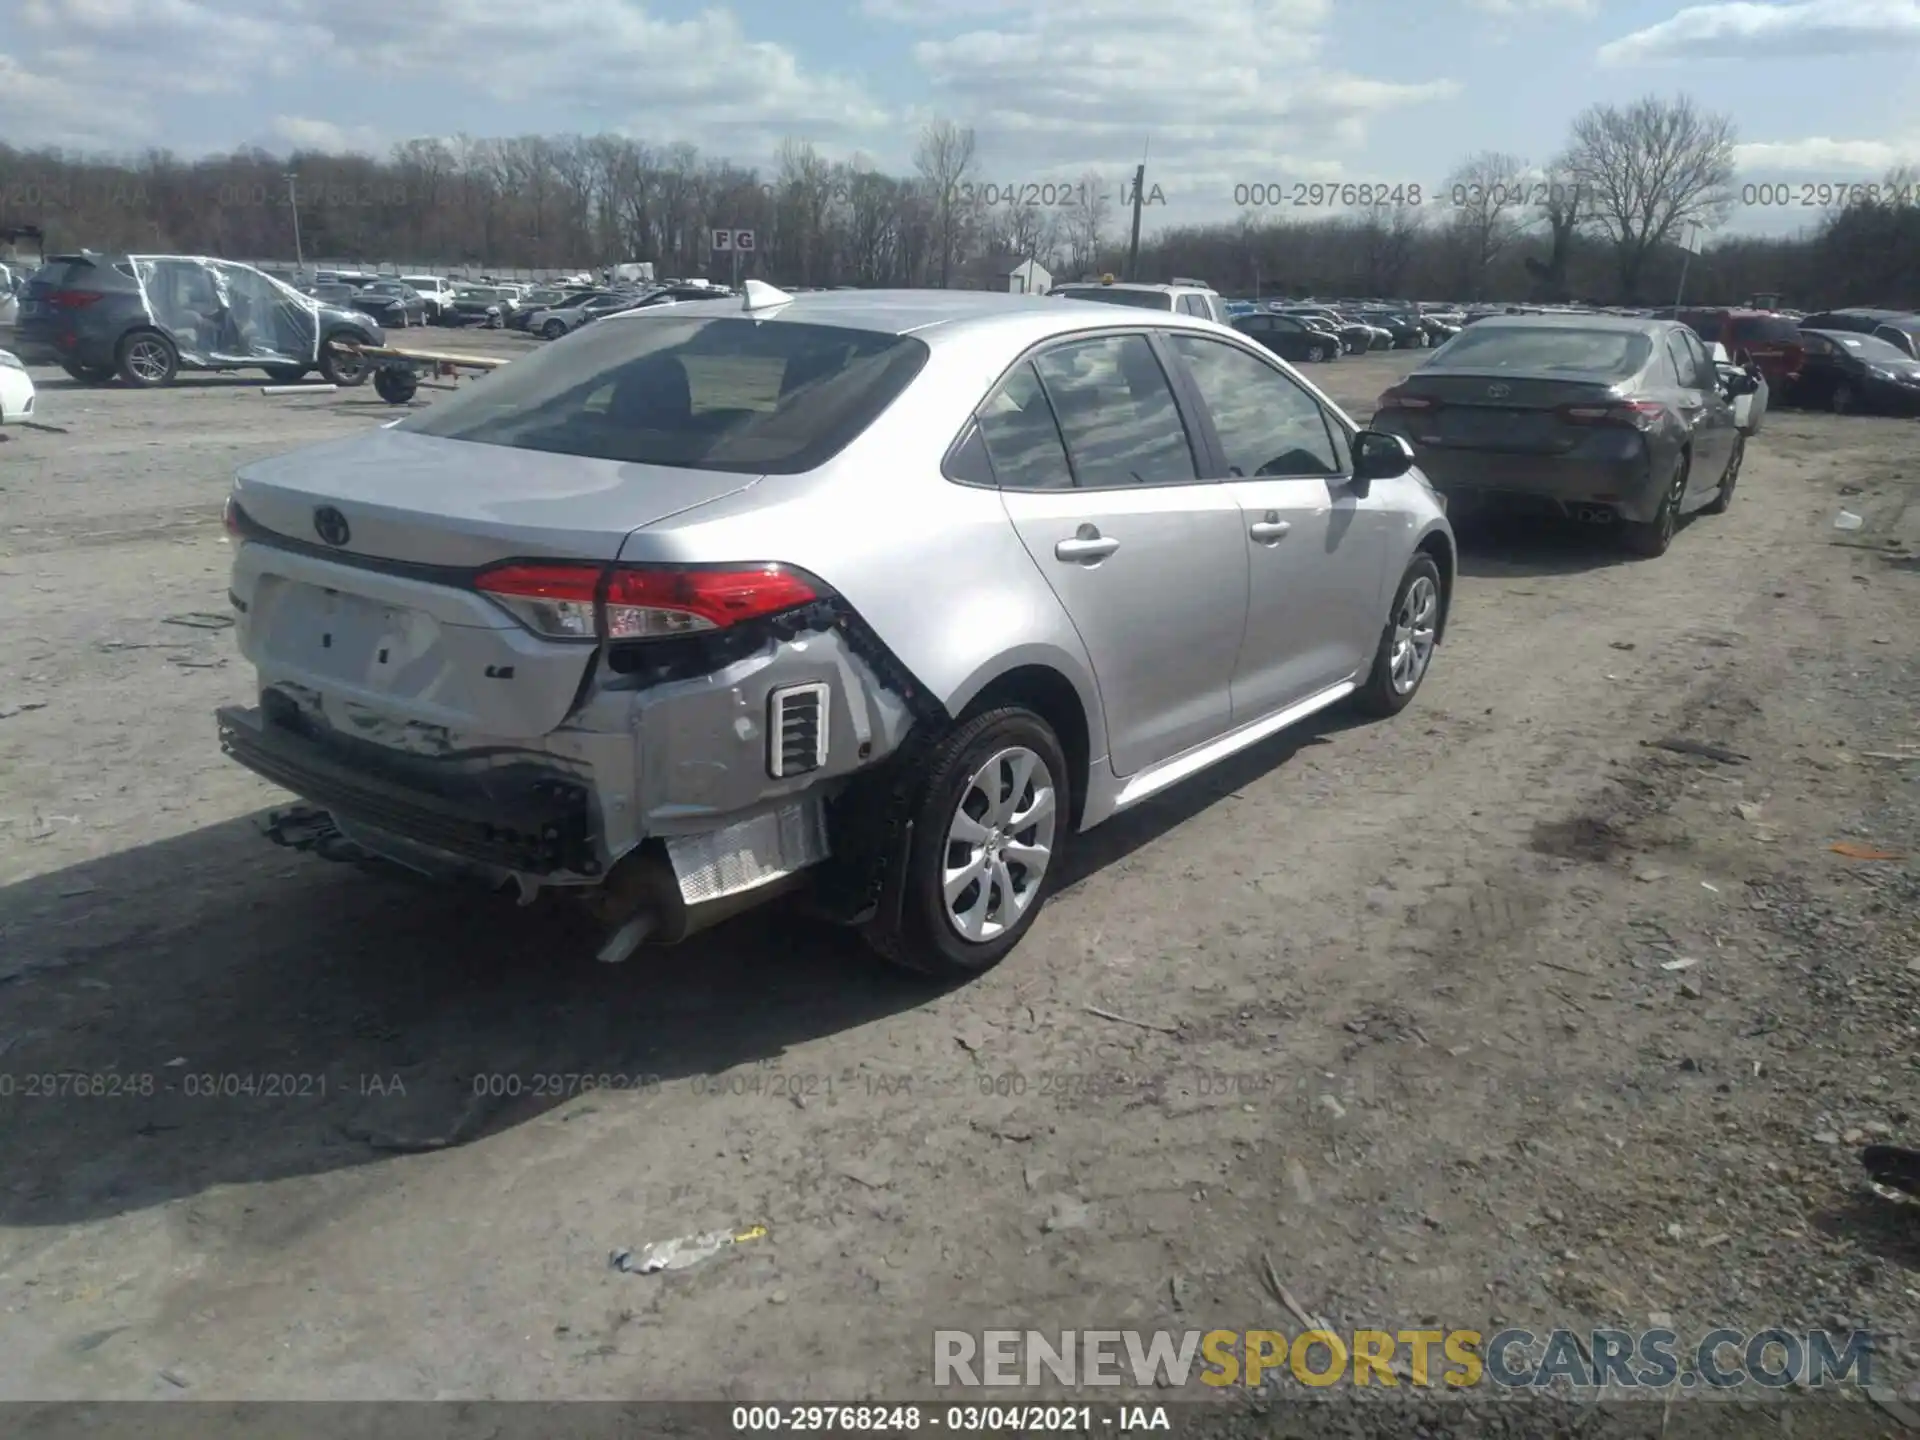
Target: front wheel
x=1843, y=401
x=1406, y=642
x=987, y=832
x=553, y=329
x=1723, y=497
x=1315, y=354
x=341, y=362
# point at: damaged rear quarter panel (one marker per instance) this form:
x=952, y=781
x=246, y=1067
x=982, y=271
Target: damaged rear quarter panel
x=702, y=744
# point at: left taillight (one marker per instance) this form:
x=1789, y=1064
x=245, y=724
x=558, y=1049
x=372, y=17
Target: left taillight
x=230, y=518
x=1635, y=414
x=643, y=602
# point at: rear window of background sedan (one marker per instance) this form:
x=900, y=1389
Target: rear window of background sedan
x=1764, y=330
x=1139, y=299
x=747, y=396
x=1514, y=347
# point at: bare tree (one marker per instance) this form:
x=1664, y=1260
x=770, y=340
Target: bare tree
x=1487, y=195
x=1085, y=222
x=945, y=160
x=1388, y=236
x=1649, y=171
x=1561, y=202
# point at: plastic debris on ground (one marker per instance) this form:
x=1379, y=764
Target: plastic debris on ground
x=1847, y=520
x=683, y=1252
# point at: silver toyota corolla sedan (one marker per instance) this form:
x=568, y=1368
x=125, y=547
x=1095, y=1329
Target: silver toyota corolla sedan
x=883, y=596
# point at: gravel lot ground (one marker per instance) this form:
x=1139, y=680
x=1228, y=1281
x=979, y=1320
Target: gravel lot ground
x=1401, y=1008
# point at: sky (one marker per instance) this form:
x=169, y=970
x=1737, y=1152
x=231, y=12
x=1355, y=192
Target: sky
x=1232, y=104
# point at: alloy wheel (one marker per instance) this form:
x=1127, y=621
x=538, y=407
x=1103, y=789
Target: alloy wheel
x=1414, y=626
x=147, y=358
x=999, y=844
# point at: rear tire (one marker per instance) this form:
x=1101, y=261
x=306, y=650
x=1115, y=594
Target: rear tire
x=1651, y=539
x=553, y=329
x=1723, y=497
x=1407, y=642
x=1843, y=401
x=147, y=358
x=286, y=374
x=993, y=808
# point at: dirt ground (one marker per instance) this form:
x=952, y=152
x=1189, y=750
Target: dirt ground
x=1401, y=1010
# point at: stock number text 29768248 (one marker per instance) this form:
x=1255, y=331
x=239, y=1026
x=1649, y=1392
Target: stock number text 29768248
x=1325, y=195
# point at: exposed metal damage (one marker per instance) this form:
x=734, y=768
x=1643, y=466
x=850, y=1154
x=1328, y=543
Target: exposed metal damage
x=700, y=791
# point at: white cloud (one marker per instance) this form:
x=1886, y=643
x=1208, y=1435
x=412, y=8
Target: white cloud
x=304, y=133
x=1536, y=7
x=612, y=61
x=1230, y=92
x=1771, y=31
x=1822, y=155
x=40, y=107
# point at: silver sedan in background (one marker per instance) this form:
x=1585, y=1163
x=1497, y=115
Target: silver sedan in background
x=886, y=595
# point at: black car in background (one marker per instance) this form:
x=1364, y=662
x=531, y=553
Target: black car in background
x=1407, y=331
x=1896, y=327
x=393, y=303
x=146, y=318
x=1847, y=372
x=1289, y=337
x=1604, y=419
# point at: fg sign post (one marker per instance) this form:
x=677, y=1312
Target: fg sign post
x=734, y=243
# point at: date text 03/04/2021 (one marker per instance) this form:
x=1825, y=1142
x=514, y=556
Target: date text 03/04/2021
x=1051, y=194
x=959, y=1419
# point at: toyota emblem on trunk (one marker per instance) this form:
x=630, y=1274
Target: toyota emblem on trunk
x=331, y=526
x=1499, y=392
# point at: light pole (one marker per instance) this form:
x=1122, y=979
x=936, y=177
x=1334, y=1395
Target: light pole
x=1687, y=240
x=293, y=200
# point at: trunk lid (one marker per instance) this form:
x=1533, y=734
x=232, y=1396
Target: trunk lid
x=1501, y=410
x=384, y=635
x=426, y=501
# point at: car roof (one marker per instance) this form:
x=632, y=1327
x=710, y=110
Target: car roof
x=1129, y=285
x=1579, y=320
x=948, y=313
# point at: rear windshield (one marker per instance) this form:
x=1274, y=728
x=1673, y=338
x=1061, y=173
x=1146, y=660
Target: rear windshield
x=1139, y=299
x=58, y=274
x=1870, y=347
x=750, y=396
x=1515, y=347
x=1766, y=329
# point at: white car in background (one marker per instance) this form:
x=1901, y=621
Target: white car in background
x=16, y=389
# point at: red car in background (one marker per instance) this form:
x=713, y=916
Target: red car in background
x=1770, y=342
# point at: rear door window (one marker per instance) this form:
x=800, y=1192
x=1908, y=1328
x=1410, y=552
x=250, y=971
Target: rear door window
x=1117, y=412
x=1681, y=361
x=1022, y=440
x=1765, y=330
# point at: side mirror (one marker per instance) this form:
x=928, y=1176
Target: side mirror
x=1379, y=456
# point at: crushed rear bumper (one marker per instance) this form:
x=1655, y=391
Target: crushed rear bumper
x=524, y=818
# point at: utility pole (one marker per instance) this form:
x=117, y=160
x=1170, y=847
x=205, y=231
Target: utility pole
x=1686, y=249
x=1133, y=245
x=293, y=200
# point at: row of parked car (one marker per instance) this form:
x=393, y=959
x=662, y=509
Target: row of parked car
x=143, y=319
x=1854, y=360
